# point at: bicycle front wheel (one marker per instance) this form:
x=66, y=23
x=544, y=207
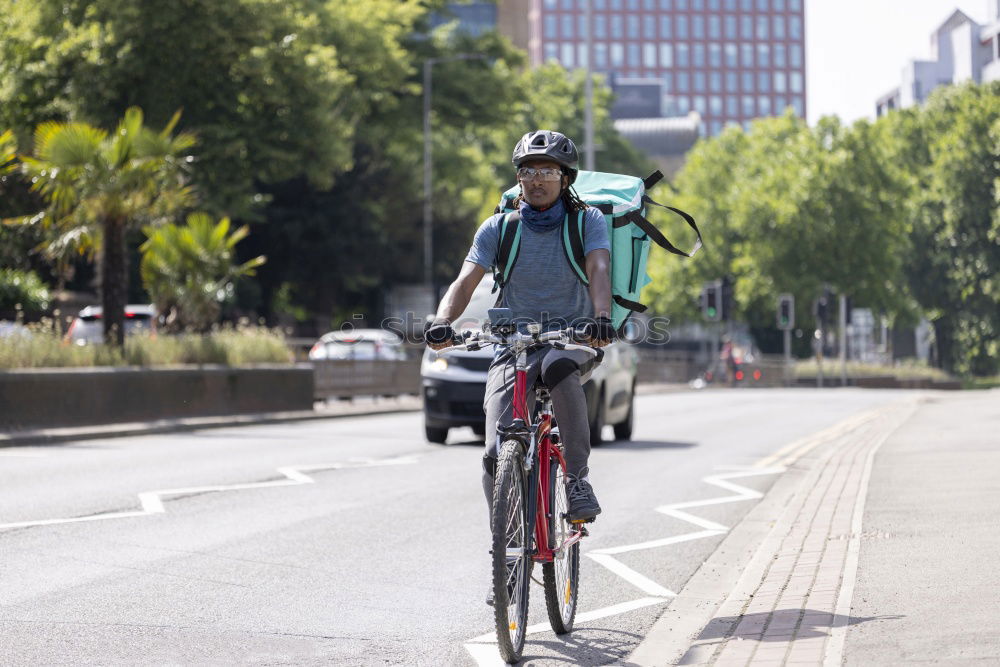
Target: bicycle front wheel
x=561, y=577
x=511, y=551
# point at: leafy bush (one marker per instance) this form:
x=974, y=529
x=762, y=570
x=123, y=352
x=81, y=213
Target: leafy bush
x=41, y=346
x=22, y=290
x=907, y=370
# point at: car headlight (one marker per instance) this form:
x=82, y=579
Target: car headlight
x=439, y=365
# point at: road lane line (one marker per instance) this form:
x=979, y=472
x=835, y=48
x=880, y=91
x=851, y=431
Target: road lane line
x=152, y=502
x=654, y=544
x=644, y=584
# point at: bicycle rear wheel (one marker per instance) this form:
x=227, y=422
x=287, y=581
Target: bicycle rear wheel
x=561, y=577
x=511, y=551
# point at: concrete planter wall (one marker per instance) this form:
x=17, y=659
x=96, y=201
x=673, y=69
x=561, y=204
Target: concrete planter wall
x=48, y=398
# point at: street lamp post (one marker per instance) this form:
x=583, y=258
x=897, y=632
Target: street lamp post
x=428, y=173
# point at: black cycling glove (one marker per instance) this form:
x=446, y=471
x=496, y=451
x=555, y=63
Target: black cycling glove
x=599, y=331
x=438, y=332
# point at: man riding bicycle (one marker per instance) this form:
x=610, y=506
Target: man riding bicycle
x=543, y=288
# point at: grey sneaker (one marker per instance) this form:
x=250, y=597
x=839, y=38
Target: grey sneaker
x=583, y=505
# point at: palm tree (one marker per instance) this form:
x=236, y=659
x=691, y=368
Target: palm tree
x=189, y=269
x=97, y=186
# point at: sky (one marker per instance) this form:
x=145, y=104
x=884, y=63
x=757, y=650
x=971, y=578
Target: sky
x=856, y=49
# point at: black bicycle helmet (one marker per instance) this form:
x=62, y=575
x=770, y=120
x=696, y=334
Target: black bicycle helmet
x=554, y=146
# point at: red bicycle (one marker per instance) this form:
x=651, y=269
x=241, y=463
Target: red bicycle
x=529, y=517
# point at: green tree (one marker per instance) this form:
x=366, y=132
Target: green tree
x=97, y=185
x=189, y=270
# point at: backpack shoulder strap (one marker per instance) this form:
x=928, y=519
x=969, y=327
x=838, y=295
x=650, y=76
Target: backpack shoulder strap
x=508, y=247
x=654, y=234
x=573, y=245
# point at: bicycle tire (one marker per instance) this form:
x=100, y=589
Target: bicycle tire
x=511, y=570
x=561, y=577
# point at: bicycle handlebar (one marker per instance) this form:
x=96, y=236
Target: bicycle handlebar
x=562, y=339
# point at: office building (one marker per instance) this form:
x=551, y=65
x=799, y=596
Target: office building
x=961, y=50
x=729, y=60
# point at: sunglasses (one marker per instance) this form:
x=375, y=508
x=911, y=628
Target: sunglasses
x=531, y=173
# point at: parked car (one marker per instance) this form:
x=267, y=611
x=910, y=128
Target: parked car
x=88, y=327
x=453, y=387
x=359, y=344
x=11, y=329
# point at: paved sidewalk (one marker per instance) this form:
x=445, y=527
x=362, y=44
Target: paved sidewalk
x=791, y=605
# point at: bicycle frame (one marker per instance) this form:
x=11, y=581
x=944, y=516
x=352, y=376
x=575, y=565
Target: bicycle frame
x=541, y=453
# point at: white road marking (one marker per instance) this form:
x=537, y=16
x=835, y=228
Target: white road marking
x=482, y=648
x=152, y=501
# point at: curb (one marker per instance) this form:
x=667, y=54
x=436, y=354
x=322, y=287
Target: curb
x=59, y=435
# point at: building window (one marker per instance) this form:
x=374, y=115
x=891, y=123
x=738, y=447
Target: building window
x=780, y=59
x=633, y=26
x=551, y=51
x=761, y=5
x=666, y=55
x=616, y=4
x=762, y=31
x=730, y=27
x=748, y=105
x=666, y=31
x=699, y=54
x=732, y=82
x=601, y=26
x=649, y=55
x=567, y=4
x=715, y=105
x=796, y=55
x=780, y=82
x=715, y=55
x=732, y=56
x=746, y=50
x=617, y=54
x=633, y=55
x=748, y=82
x=649, y=5
x=796, y=82
x=649, y=29
x=616, y=26
x=779, y=5
x=566, y=55
x=730, y=5
x=682, y=5
x=698, y=5
x=715, y=82
x=633, y=5
x=795, y=5
x=600, y=55
x=778, y=27
x=800, y=109
x=683, y=55
x=683, y=104
x=567, y=26
x=683, y=82
x=582, y=26
x=764, y=105
x=550, y=26
x=713, y=5
x=682, y=27
x=763, y=55
x=795, y=27
x=746, y=5
x=699, y=82
x=732, y=106
x=699, y=104
x=698, y=26
x=551, y=4
x=714, y=27
x=581, y=54
x=746, y=27
x=666, y=5
x=764, y=82
x=779, y=105
x=668, y=82
x=599, y=4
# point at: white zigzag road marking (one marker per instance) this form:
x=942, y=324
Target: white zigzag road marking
x=482, y=648
x=152, y=501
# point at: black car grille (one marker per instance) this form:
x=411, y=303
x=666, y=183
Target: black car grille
x=481, y=364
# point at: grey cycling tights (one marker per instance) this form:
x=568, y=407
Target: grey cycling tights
x=563, y=372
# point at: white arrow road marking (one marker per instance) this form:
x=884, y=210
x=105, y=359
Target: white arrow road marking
x=152, y=501
x=482, y=648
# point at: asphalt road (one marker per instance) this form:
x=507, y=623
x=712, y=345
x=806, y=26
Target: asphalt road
x=352, y=541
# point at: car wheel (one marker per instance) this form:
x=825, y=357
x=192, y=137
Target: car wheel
x=435, y=434
x=623, y=430
x=597, y=423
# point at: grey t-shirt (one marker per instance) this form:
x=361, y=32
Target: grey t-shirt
x=542, y=287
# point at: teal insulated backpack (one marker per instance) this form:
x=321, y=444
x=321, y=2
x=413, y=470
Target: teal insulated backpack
x=622, y=200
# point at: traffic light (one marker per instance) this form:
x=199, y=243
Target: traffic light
x=786, y=312
x=711, y=301
x=726, y=299
x=823, y=308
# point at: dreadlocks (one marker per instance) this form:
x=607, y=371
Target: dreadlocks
x=572, y=201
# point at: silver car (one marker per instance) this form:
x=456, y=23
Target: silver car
x=453, y=387
x=88, y=326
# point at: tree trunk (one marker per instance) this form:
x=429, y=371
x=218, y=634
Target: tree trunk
x=114, y=282
x=944, y=339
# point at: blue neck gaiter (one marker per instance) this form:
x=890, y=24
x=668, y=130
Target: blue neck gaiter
x=542, y=221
